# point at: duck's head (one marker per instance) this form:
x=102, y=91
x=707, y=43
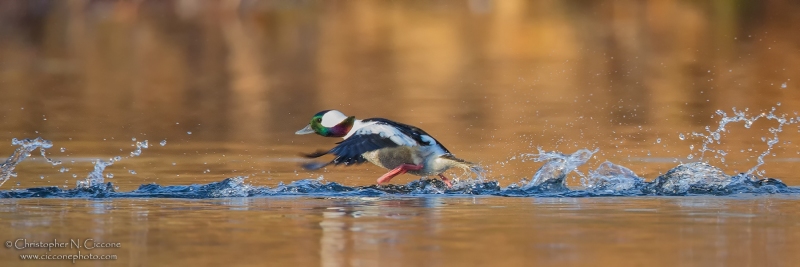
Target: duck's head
x=329, y=123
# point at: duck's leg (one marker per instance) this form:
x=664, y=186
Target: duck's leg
x=445, y=180
x=403, y=168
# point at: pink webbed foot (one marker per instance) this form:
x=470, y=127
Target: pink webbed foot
x=446, y=181
x=398, y=171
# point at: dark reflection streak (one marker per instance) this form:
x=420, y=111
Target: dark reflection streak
x=625, y=54
x=23, y=23
x=700, y=85
x=207, y=94
x=292, y=62
x=592, y=70
x=471, y=82
x=52, y=71
x=248, y=85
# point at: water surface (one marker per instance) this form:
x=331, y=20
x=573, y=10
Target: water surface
x=662, y=231
x=226, y=84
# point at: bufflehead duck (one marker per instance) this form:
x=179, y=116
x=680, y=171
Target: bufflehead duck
x=401, y=148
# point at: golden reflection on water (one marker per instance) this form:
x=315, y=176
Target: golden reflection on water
x=227, y=83
x=416, y=231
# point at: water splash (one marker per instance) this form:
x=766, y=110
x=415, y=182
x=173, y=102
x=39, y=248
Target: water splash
x=552, y=175
x=682, y=180
x=696, y=176
x=95, y=178
x=139, y=146
x=609, y=177
x=549, y=181
x=26, y=146
x=712, y=137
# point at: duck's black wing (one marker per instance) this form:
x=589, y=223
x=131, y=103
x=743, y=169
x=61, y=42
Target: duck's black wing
x=376, y=134
x=417, y=134
x=372, y=136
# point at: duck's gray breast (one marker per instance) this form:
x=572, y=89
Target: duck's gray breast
x=392, y=157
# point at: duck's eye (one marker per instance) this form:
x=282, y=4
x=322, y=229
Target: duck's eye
x=319, y=119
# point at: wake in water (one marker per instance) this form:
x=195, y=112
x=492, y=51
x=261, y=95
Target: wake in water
x=549, y=181
x=608, y=179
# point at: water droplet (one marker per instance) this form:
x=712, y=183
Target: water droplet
x=658, y=140
x=110, y=175
x=132, y=171
x=117, y=158
x=188, y=132
x=133, y=139
x=63, y=170
x=74, y=175
x=163, y=142
x=63, y=149
x=783, y=86
x=173, y=164
x=41, y=177
x=681, y=136
x=690, y=156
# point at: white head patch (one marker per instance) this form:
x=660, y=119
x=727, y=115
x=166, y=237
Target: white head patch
x=333, y=117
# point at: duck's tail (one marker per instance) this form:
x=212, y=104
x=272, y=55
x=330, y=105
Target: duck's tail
x=463, y=164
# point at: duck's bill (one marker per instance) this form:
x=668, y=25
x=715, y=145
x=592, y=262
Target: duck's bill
x=306, y=130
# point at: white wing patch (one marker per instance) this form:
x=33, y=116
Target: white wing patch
x=428, y=139
x=385, y=131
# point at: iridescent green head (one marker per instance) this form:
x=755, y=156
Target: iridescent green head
x=329, y=123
